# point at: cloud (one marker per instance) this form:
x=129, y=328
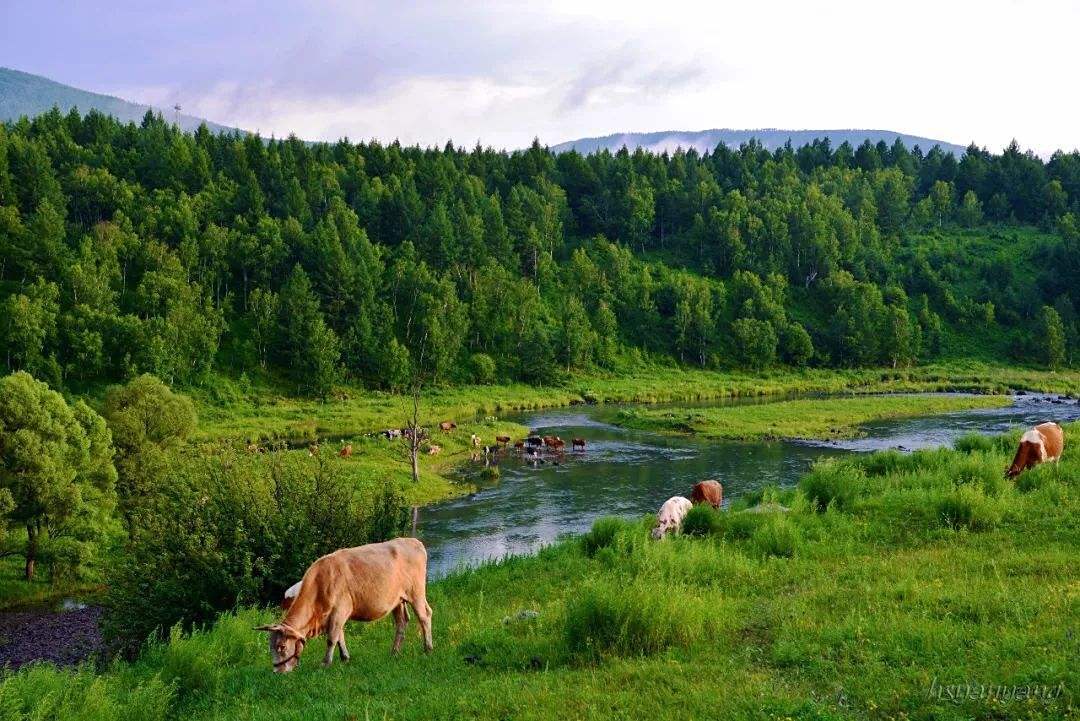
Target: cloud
x=625, y=73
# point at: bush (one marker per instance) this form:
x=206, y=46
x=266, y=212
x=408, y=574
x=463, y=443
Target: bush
x=629, y=620
x=232, y=528
x=777, y=536
x=602, y=534
x=482, y=368
x=703, y=520
x=967, y=507
x=833, y=483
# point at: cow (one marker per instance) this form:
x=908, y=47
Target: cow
x=534, y=441
x=364, y=583
x=519, y=445
x=710, y=492
x=1044, y=442
x=447, y=426
x=290, y=595
x=558, y=444
x=346, y=451
x=313, y=449
x=670, y=516
x=502, y=440
x=392, y=433
x=434, y=450
x=475, y=440
x=578, y=443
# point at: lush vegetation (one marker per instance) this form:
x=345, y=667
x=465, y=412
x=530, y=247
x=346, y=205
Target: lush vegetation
x=806, y=418
x=131, y=249
x=889, y=581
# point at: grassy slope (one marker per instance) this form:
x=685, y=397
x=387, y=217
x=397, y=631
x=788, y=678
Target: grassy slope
x=927, y=568
x=803, y=418
x=227, y=412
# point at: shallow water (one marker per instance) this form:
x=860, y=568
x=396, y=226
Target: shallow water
x=626, y=472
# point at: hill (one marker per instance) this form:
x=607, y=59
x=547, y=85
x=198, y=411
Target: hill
x=770, y=138
x=25, y=94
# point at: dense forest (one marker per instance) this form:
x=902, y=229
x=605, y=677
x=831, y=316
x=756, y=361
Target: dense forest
x=129, y=248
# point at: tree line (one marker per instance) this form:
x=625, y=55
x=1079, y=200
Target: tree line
x=128, y=249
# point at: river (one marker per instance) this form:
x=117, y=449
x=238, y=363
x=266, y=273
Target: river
x=626, y=472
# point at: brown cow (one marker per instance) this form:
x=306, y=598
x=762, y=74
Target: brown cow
x=710, y=492
x=502, y=439
x=519, y=445
x=354, y=584
x=1044, y=442
x=313, y=449
x=346, y=451
x=578, y=443
x=447, y=426
x=559, y=444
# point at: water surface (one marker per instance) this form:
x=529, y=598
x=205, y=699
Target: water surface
x=627, y=472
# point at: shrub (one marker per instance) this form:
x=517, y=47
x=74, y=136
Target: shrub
x=631, y=620
x=482, y=368
x=981, y=473
x=777, y=536
x=232, y=528
x=602, y=534
x=833, y=483
x=967, y=507
x=702, y=520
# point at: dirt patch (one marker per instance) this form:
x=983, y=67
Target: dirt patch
x=64, y=638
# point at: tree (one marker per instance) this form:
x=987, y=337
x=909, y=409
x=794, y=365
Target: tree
x=1050, y=338
x=796, y=348
x=970, y=213
x=55, y=465
x=898, y=337
x=148, y=422
x=755, y=342
x=308, y=346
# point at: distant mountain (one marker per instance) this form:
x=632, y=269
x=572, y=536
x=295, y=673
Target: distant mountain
x=770, y=138
x=25, y=94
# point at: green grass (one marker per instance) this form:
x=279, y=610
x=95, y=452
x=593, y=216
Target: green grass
x=15, y=592
x=819, y=418
x=230, y=410
x=927, y=575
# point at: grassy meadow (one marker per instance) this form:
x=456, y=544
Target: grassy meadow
x=817, y=418
x=890, y=581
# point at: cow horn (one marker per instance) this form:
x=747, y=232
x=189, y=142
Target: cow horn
x=269, y=627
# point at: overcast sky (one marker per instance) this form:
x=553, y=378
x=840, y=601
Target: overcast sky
x=504, y=72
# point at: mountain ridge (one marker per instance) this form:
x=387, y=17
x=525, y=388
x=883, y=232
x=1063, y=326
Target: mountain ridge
x=770, y=138
x=26, y=94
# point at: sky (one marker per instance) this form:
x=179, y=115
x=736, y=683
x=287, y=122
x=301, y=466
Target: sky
x=503, y=73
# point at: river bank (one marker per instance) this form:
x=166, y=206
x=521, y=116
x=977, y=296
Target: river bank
x=926, y=570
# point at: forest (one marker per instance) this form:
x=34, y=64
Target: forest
x=128, y=249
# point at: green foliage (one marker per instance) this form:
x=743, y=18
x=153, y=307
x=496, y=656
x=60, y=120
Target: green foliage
x=483, y=368
x=603, y=534
x=1050, y=338
x=777, y=536
x=148, y=423
x=56, y=473
x=703, y=520
x=837, y=484
x=968, y=507
x=231, y=527
x=755, y=342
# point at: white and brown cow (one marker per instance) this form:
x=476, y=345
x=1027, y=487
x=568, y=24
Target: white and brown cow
x=1044, y=442
x=670, y=516
x=353, y=584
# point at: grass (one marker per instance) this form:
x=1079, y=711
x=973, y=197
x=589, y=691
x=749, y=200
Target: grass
x=925, y=576
x=818, y=418
x=251, y=411
x=15, y=592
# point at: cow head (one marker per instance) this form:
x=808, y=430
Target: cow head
x=286, y=645
x=1029, y=454
x=661, y=528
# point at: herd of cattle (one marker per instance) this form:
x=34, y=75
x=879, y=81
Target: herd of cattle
x=369, y=582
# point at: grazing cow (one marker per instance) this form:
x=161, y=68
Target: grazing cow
x=290, y=595
x=391, y=433
x=578, y=443
x=670, y=516
x=710, y=492
x=1042, y=443
x=346, y=451
x=313, y=449
x=434, y=450
x=534, y=441
x=503, y=440
x=475, y=440
x=519, y=445
x=364, y=583
x=447, y=426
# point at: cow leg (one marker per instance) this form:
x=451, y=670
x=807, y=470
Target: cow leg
x=335, y=636
x=423, y=617
x=343, y=652
x=401, y=620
